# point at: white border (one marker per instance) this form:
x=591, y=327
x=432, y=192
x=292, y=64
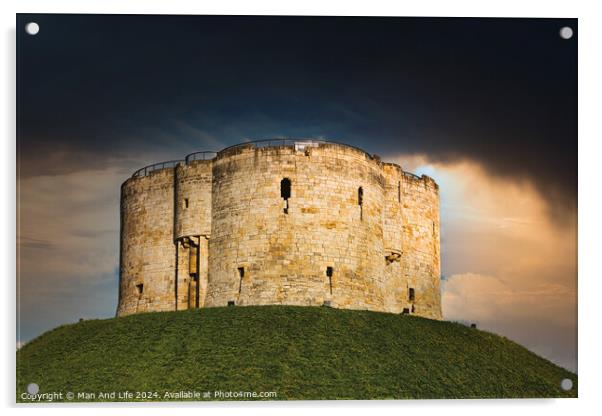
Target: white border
x=590, y=91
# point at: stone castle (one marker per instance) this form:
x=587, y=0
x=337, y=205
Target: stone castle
x=304, y=222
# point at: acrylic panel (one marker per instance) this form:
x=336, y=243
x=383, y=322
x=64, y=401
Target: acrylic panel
x=218, y=208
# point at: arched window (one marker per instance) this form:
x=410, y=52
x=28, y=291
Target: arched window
x=285, y=192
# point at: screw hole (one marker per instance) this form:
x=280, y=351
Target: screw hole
x=566, y=32
x=566, y=384
x=33, y=388
x=32, y=28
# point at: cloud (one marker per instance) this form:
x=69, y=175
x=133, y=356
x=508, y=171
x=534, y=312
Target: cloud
x=409, y=85
x=33, y=243
x=480, y=298
x=541, y=317
x=133, y=147
x=509, y=267
x=68, y=234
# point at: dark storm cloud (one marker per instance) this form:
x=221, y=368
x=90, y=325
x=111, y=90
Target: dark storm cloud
x=501, y=92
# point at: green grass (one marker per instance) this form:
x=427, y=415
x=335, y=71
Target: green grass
x=297, y=352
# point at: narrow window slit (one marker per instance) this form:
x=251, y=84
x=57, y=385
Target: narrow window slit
x=185, y=202
x=285, y=192
x=411, y=294
x=241, y=274
x=329, y=274
x=360, y=201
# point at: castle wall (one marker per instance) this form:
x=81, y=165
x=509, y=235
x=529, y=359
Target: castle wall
x=285, y=256
x=193, y=199
x=147, y=249
x=392, y=238
x=421, y=241
x=350, y=231
x=192, y=229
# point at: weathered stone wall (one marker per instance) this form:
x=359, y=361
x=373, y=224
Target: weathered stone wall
x=192, y=229
x=354, y=232
x=193, y=199
x=285, y=256
x=393, y=239
x=421, y=256
x=147, y=249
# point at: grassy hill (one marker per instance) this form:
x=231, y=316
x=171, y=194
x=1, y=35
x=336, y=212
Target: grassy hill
x=297, y=352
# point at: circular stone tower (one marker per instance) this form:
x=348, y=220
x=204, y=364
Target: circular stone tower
x=303, y=222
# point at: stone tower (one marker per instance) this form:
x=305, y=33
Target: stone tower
x=280, y=222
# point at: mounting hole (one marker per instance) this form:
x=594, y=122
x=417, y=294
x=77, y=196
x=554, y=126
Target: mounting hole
x=33, y=388
x=32, y=28
x=566, y=384
x=566, y=32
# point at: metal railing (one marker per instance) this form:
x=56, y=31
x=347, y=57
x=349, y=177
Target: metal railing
x=411, y=175
x=299, y=144
x=206, y=155
x=156, y=166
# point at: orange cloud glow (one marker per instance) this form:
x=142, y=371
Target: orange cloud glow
x=508, y=267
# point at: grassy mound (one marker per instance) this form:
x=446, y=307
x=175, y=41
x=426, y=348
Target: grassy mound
x=296, y=352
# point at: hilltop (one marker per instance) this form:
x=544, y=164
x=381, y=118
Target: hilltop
x=297, y=352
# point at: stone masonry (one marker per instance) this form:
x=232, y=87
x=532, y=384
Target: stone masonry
x=302, y=222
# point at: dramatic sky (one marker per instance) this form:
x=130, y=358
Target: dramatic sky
x=488, y=107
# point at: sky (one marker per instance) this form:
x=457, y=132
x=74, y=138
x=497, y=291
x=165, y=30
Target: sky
x=487, y=107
